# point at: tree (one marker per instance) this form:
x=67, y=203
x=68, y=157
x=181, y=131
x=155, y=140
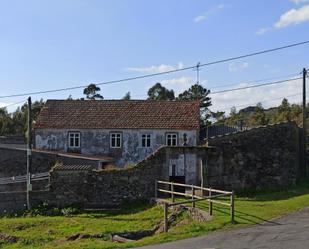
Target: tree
x=234, y=117
x=159, y=92
x=6, y=123
x=127, y=96
x=91, y=92
x=218, y=116
x=284, y=112
x=297, y=114
x=198, y=92
x=258, y=117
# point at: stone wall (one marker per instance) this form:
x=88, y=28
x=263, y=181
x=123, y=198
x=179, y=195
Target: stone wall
x=265, y=157
x=12, y=202
x=12, y=139
x=108, y=188
x=13, y=162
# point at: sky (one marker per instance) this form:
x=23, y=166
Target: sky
x=52, y=44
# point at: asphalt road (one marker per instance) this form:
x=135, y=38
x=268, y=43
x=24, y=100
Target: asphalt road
x=288, y=232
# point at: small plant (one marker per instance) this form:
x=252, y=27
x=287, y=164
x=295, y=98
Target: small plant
x=68, y=211
x=110, y=167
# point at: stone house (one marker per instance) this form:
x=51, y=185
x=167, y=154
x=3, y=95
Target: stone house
x=126, y=130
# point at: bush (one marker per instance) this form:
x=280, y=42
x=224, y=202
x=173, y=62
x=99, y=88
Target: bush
x=69, y=211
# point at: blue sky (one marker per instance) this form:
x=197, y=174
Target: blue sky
x=61, y=43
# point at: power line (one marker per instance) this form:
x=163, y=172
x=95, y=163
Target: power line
x=160, y=73
x=255, y=86
x=263, y=101
x=255, y=81
x=255, y=53
x=16, y=103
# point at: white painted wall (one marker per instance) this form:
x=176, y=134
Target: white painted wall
x=97, y=142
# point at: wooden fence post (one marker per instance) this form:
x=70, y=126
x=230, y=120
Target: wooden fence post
x=193, y=193
x=232, y=208
x=210, y=203
x=165, y=217
x=172, y=189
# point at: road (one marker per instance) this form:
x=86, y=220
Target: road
x=288, y=232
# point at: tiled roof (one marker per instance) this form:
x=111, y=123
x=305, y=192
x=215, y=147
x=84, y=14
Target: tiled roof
x=73, y=167
x=119, y=114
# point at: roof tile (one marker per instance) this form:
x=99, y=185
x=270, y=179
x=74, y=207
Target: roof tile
x=119, y=114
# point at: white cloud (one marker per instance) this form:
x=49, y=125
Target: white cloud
x=199, y=18
x=237, y=67
x=262, y=31
x=293, y=17
x=178, y=84
x=269, y=96
x=290, y=17
x=208, y=13
x=299, y=1
x=155, y=69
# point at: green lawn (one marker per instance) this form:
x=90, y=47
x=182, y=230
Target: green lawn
x=49, y=232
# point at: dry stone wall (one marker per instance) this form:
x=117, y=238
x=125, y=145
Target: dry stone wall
x=259, y=158
x=108, y=188
x=266, y=157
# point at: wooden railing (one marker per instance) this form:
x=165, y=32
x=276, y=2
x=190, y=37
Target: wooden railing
x=195, y=193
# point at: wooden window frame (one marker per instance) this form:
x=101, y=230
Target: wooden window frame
x=76, y=134
x=145, y=139
x=111, y=137
x=171, y=136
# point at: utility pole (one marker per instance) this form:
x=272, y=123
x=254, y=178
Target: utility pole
x=29, y=158
x=304, y=122
x=198, y=73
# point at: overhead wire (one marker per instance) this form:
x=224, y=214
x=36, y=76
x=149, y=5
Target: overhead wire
x=12, y=104
x=160, y=73
x=255, y=86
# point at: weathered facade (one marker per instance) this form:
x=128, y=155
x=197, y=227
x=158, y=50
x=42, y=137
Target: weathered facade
x=128, y=131
x=97, y=142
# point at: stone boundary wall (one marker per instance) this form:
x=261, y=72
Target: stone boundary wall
x=13, y=162
x=108, y=188
x=13, y=139
x=259, y=158
x=265, y=157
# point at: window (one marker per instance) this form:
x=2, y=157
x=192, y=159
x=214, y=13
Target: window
x=74, y=139
x=171, y=139
x=146, y=140
x=115, y=140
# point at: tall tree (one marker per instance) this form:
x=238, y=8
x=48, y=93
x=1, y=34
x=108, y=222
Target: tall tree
x=6, y=123
x=258, y=117
x=159, y=92
x=235, y=118
x=284, y=112
x=127, y=96
x=218, y=116
x=198, y=92
x=91, y=92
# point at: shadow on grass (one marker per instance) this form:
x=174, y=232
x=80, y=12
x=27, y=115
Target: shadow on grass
x=300, y=188
x=249, y=218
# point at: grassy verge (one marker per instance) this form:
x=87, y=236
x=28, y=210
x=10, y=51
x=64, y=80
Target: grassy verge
x=49, y=232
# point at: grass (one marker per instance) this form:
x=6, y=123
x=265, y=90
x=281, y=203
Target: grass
x=49, y=232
